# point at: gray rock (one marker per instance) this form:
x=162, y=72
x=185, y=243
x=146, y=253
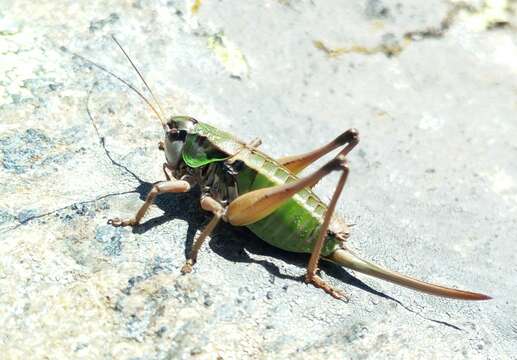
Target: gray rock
x=24, y=151
x=109, y=238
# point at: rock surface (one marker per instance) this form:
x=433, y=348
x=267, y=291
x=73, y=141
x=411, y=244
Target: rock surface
x=433, y=190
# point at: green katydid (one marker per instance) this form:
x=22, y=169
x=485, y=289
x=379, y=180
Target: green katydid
x=245, y=187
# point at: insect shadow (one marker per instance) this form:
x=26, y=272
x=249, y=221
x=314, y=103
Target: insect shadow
x=231, y=243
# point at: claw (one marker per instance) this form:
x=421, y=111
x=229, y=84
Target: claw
x=187, y=267
x=320, y=283
x=116, y=222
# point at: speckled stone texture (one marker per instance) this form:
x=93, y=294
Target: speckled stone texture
x=432, y=88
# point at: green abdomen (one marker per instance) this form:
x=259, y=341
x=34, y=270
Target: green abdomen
x=295, y=225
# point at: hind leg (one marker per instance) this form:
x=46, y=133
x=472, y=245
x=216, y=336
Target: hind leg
x=311, y=276
x=297, y=163
x=257, y=204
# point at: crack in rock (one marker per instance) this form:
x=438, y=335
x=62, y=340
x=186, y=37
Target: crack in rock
x=390, y=46
x=25, y=219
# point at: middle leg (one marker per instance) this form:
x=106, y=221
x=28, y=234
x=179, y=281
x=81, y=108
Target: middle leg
x=209, y=204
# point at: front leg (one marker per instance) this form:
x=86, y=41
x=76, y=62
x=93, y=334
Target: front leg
x=171, y=186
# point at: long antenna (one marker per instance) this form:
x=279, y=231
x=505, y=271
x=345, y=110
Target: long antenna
x=139, y=74
x=63, y=48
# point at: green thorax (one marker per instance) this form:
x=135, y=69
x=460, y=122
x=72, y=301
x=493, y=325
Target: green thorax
x=292, y=227
x=207, y=144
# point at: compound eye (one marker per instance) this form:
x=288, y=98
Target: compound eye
x=175, y=135
x=182, y=134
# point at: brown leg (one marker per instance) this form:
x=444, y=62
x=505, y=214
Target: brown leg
x=297, y=163
x=165, y=167
x=209, y=204
x=172, y=186
x=311, y=276
x=256, y=205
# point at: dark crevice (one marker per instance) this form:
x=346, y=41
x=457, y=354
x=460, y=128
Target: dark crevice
x=445, y=24
x=441, y=322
